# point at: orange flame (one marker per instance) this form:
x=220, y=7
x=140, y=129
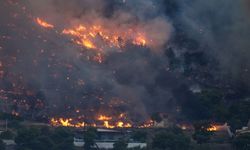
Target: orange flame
x=94, y=37
x=104, y=118
x=105, y=121
x=66, y=122
x=44, y=23
x=212, y=128
x=107, y=125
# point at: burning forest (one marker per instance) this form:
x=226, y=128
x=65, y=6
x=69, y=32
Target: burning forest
x=72, y=68
x=114, y=64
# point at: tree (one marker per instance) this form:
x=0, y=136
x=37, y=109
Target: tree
x=38, y=139
x=26, y=138
x=120, y=145
x=202, y=135
x=7, y=135
x=62, y=139
x=89, y=138
x=242, y=142
x=60, y=134
x=2, y=145
x=239, y=113
x=140, y=136
x=170, y=141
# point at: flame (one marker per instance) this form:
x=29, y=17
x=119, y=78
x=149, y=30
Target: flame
x=121, y=124
x=107, y=125
x=66, y=122
x=104, y=118
x=101, y=121
x=97, y=37
x=140, y=40
x=44, y=23
x=212, y=128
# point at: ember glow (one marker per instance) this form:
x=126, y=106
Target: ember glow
x=44, y=23
x=104, y=118
x=212, y=128
x=148, y=124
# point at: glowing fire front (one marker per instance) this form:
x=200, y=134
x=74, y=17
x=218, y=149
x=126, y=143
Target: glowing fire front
x=66, y=122
x=101, y=121
x=99, y=37
x=44, y=23
x=119, y=124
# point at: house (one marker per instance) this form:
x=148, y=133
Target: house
x=222, y=133
x=107, y=137
x=244, y=130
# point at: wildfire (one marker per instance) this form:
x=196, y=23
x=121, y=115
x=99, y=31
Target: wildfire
x=44, y=23
x=119, y=124
x=66, y=122
x=102, y=121
x=98, y=37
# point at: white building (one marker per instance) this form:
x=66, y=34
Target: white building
x=106, y=139
x=244, y=129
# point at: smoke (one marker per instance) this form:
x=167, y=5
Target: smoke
x=114, y=15
x=47, y=63
x=222, y=31
x=137, y=80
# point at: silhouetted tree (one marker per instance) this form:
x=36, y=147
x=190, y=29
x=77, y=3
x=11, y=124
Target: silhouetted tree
x=140, y=136
x=2, y=145
x=89, y=138
x=120, y=145
x=170, y=141
x=242, y=142
x=201, y=134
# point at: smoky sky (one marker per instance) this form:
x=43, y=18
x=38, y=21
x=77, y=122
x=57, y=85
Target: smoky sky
x=139, y=80
x=222, y=30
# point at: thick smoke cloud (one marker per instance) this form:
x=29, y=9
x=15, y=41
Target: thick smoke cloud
x=222, y=30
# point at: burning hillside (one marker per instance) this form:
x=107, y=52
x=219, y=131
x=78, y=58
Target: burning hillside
x=98, y=38
x=70, y=62
x=101, y=121
x=86, y=36
x=75, y=68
